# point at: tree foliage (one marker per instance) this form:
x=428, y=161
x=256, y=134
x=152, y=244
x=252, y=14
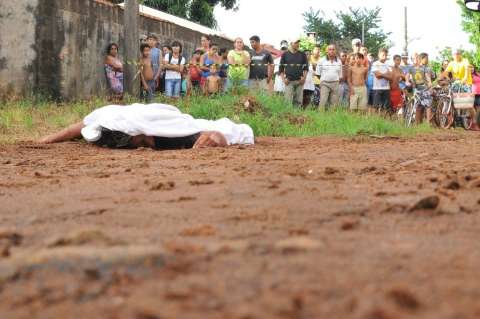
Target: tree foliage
x=471, y=25
x=348, y=26
x=200, y=11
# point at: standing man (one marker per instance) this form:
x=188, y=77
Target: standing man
x=344, y=88
x=261, y=68
x=294, y=67
x=330, y=72
x=155, y=55
x=381, y=82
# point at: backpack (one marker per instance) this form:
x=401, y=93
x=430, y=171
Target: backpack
x=180, y=58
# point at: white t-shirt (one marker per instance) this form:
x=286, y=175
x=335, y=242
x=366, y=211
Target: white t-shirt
x=279, y=86
x=380, y=84
x=329, y=71
x=169, y=74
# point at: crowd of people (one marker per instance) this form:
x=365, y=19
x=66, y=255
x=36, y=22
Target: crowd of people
x=352, y=79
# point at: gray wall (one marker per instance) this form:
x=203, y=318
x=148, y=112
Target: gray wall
x=56, y=47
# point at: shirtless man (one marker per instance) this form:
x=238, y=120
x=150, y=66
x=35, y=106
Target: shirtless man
x=146, y=75
x=396, y=98
x=357, y=81
x=213, y=85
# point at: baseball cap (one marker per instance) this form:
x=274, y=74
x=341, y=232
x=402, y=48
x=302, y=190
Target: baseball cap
x=356, y=41
x=283, y=44
x=294, y=40
x=404, y=55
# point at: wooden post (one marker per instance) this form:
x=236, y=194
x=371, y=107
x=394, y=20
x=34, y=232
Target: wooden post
x=132, y=42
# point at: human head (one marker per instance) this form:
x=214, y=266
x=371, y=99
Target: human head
x=284, y=45
x=295, y=44
x=238, y=44
x=382, y=55
x=424, y=58
x=356, y=45
x=223, y=52
x=359, y=58
x=145, y=50
x=343, y=56
x=152, y=40
x=415, y=59
x=364, y=51
x=176, y=47
x=458, y=55
x=404, y=58
x=213, y=49
x=205, y=41
x=397, y=60
x=255, y=42
x=213, y=68
x=332, y=51
x=197, y=54
x=370, y=57
x=316, y=51
x=112, y=49
x=166, y=49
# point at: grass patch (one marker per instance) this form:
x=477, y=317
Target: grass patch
x=25, y=120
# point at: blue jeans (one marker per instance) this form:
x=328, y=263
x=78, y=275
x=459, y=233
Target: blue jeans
x=172, y=87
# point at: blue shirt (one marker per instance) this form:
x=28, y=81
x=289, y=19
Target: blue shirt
x=155, y=56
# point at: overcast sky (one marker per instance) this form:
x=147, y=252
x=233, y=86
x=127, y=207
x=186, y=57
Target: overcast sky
x=434, y=23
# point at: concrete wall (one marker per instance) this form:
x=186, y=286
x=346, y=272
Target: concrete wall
x=57, y=47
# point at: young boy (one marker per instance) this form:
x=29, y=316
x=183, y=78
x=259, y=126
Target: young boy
x=396, y=98
x=155, y=55
x=214, y=82
x=422, y=82
x=194, y=72
x=173, y=64
x=146, y=74
x=357, y=82
x=381, y=82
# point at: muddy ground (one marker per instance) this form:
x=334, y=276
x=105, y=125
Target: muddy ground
x=289, y=228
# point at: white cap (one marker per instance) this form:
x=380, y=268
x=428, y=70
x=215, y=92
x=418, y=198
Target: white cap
x=356, y=41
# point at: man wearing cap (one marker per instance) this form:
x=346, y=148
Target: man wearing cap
x=330, y=72
x=460, y=70
x=294, y=67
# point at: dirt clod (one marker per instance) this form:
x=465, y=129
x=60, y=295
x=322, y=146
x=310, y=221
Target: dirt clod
x=404, y=299
x=168, y=186
x=427, y=203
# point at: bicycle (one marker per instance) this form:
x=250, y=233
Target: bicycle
x=411, y=105
x=451, y=116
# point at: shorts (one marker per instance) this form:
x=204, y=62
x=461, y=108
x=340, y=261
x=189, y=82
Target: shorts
x=359, y=98
x=396, y=98
x=114, y=139
x=175, y=143
x=381, y=99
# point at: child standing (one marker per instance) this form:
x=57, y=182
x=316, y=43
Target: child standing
x=214, y=82
x=357, y=81
x=146, y=74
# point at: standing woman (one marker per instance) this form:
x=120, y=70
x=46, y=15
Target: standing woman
x=207, y=59
x=239, y=61
x=114, y=72
x=205, y=43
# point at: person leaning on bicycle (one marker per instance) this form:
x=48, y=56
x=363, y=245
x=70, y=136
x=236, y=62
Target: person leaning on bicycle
x=421, y=79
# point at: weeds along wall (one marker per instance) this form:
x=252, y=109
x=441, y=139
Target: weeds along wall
x=56, y=48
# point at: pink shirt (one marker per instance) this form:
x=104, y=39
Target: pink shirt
x=476, y=84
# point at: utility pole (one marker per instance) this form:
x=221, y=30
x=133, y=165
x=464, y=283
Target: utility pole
x=363, y=32
x=405, y=48
x=131, y=19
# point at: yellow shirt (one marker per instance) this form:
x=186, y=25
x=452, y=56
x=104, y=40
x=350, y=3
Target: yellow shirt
x=316, y=79
x=459, y=69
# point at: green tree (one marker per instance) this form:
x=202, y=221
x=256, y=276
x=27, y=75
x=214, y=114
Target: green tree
x=348, y=26
x=471, y=25
x=200, y=11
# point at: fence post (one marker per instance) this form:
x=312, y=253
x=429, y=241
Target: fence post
x=131, y=38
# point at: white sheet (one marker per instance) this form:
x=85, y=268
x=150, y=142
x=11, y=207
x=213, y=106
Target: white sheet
x=159, y=120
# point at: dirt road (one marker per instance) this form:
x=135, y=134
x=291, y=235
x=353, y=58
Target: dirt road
x=289, y=228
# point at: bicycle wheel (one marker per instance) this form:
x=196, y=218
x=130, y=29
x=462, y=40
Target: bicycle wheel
x=446, y=116
x=410, y=113
x=467, y=120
